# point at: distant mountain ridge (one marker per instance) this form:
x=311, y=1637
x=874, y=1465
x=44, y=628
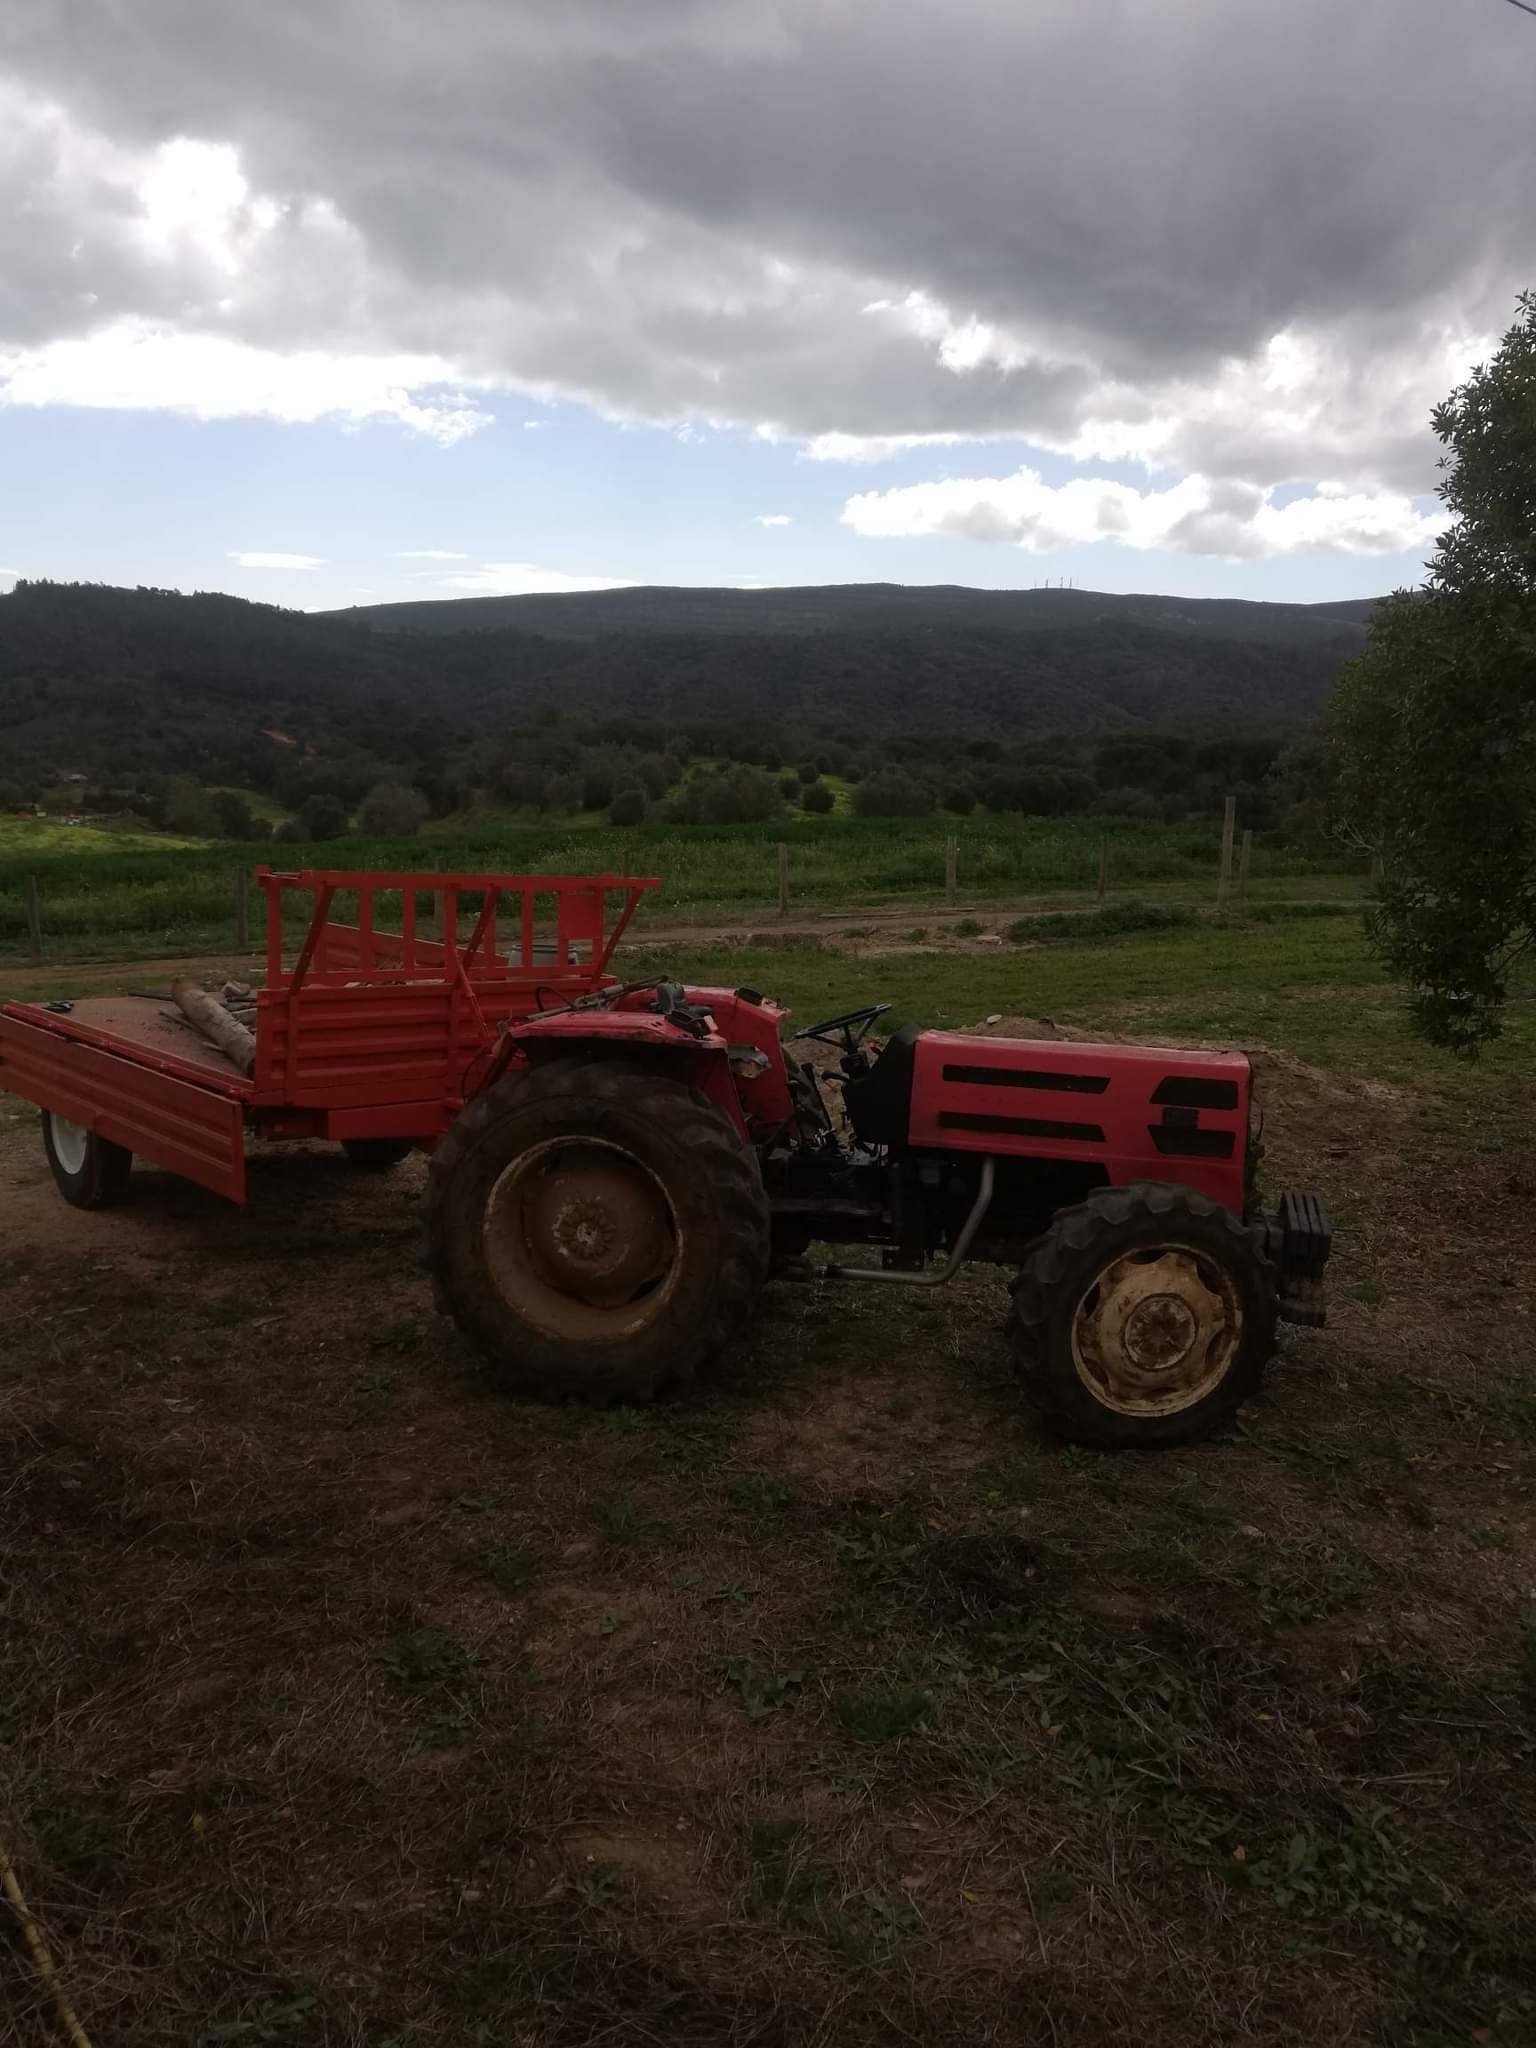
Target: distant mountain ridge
x=119, y=683
x=880, y=607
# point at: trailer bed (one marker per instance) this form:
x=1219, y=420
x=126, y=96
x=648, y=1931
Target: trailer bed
x=148, y=1023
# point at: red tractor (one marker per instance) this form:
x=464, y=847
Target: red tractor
x=616, y=1167
x=628, y=1166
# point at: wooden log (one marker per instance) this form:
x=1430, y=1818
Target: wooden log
x=210, y=1017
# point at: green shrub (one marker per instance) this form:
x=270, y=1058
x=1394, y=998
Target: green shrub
x=1283, y=913
x=628, y=808
x=1109, y=922
x=391, y=811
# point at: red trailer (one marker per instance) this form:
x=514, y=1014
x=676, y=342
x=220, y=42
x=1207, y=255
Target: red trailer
x=366, y=1039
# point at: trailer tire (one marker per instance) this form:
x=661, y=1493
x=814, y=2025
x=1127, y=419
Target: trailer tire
x=90, y=1172
x=1143, y=1318
x=597, y=1228
x=377, y=1155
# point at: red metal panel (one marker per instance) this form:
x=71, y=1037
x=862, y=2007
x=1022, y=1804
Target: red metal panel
x=1049, y=1099
x=383, y=1042
x=188, y=1128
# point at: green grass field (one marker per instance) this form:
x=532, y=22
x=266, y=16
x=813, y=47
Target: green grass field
x=30, y=844
x=105, y=892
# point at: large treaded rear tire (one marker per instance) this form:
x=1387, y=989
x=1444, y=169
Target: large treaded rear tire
x=1060, y=1281
x=670, y=1138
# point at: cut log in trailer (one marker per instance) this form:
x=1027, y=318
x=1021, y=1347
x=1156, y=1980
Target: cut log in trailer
x=365, y=1030
x=219, y=1026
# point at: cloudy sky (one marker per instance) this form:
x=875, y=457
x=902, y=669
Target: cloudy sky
x=328, y=301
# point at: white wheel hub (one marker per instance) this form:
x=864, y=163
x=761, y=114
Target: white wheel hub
x=1157, y=1331
x=70, y=1142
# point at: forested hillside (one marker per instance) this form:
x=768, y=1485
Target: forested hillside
x=969, y=697
x=870, y=607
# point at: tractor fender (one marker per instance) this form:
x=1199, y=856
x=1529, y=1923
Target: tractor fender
x=628, y=1035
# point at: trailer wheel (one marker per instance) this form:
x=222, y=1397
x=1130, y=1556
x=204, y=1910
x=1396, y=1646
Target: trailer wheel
x=89, y=1172
x=597, y=1229
x=1143, y=1317
x=377, y=1155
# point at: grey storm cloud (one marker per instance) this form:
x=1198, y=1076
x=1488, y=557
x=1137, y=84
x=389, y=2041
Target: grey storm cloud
x=1082, y=226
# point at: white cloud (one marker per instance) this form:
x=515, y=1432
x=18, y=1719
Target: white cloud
x=1195, y=516
x=132, y=364
x=881, y=447
x=526, y=579
x=268, y=558
x=773, y=519
x=532, y=426
x=1229, y=263
x=430, y=555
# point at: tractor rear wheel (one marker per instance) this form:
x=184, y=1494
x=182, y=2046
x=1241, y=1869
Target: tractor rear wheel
x=88, y=1171
x=1143, y=1317
x=597, y=1229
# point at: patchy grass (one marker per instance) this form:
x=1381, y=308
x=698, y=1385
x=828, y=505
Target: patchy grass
x=1311, y=986
x=23, y=839
x=348, y=1702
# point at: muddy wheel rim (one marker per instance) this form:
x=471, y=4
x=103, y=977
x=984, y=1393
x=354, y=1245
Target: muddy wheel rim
x=582, y=1241
x=69, y=1143
x=1157, y=1330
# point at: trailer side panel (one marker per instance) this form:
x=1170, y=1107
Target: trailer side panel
x=161, y=1118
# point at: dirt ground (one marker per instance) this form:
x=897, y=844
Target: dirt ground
x=347, y=1701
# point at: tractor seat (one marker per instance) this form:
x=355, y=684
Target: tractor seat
x=879, y=1103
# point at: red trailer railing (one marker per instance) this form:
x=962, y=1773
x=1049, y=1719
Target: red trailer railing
x=369, y=1033
x=379, y=1013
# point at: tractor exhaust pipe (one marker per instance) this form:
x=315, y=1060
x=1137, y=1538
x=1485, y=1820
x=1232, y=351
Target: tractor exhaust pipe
x=951, y=1266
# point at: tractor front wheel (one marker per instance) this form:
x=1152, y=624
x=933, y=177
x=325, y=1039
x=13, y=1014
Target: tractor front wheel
x=598, y=1230
x=1143, y=1317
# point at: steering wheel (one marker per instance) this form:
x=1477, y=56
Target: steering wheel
x=852, y=1028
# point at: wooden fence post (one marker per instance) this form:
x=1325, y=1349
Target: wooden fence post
x=951, y=868
x=1243, y=860
x=1228, y=824
x=34, y=920
x=242, y=910
x=1103, y=869
x=783, y=879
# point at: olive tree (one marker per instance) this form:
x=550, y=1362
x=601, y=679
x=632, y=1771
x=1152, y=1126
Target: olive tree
x=1434, y=725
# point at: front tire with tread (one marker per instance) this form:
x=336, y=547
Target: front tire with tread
x=677, y=1140
x=1105, y=1236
